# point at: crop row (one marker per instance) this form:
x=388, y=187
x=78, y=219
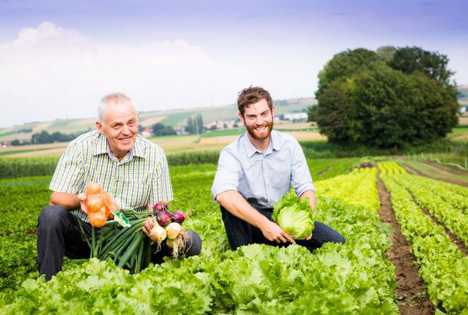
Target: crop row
x=452, y=217
x=390, y=167
x=352, y=191
x=352, y=278
x=442, y=265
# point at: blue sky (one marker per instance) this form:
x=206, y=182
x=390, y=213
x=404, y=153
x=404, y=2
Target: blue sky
x=58, y=58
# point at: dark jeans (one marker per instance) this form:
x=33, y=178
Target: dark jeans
x=241, y=233
x=58, y=235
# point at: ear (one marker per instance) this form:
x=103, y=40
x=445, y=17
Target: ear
x=99, y=127
x=241, y=118
x=273, y=110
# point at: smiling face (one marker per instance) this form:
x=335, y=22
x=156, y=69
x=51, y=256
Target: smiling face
x=120, y=126
x=258, y=120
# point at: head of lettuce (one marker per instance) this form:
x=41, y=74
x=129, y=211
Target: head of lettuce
x=294, y=216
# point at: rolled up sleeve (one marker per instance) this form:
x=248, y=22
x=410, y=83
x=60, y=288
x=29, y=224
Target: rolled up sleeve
x=227, y=174
x=301, y=178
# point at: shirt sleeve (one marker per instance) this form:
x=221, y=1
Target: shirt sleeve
x=162, y=187
x=69, y=173
x=301, y=178
x=227, y=174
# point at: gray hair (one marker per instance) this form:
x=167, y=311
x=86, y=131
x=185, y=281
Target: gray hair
x=117, y=97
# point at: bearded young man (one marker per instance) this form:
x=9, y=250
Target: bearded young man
x=131, y=169
x=255, y=171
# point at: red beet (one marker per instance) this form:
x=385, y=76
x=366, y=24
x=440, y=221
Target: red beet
x=178, y=216
x=164, y=217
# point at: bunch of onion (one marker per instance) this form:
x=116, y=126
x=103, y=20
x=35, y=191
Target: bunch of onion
x=99, y=207
x=169, y=225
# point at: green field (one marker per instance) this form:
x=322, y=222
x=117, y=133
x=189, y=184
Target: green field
x=353, y=278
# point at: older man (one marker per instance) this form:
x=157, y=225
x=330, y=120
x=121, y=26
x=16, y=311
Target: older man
x=133, y=170
x=255, y=171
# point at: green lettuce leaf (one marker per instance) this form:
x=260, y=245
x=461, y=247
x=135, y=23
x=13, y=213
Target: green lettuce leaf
x=294, y=216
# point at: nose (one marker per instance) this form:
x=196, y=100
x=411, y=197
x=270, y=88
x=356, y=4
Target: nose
x=125, y=129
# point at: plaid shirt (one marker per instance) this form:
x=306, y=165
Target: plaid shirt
x=141, y=178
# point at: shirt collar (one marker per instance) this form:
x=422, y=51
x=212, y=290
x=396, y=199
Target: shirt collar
x=275, y=144
x=103, y=148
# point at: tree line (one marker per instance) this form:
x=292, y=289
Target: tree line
x=389, y=98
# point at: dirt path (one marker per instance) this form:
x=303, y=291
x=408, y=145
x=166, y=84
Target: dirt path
x=411, y=294
x=411, y=170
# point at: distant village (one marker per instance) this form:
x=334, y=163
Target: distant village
x=194, y=126
x=229, y=124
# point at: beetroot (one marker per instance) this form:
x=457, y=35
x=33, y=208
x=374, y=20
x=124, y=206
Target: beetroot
x=164, y=217
x=178, y=216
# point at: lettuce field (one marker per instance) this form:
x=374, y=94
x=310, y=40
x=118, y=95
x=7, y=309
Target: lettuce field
x=352, y=278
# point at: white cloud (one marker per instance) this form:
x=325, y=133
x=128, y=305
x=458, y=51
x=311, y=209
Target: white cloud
x=50, y=72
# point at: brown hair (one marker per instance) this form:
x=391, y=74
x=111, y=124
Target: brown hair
x=252, y=95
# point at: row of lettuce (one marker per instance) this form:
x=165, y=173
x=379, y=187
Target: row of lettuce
x=442, y=265
x=22, y=199
x=352, y=278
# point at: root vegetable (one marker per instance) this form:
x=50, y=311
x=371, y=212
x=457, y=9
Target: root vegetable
x=164, y=218
x=178, y=216
x=158, y=234
x=173, y=230
x=98, y=218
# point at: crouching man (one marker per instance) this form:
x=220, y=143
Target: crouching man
x=131, y=169
x=255, y=171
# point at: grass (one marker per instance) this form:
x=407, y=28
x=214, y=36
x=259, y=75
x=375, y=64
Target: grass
x=174, y=120
x=429, y=171
x=221, y=133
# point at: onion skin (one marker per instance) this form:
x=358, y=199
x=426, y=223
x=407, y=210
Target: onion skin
x=173, y=230
x=157, y=234
x=98, y=218
x=178, y=216
x=164, y=218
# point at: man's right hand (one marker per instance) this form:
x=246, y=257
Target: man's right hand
x=273, y=232
x=82, y=198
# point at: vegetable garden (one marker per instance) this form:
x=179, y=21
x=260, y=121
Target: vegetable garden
x=352, y=278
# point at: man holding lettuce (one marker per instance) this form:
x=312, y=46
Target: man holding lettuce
x=255, y=171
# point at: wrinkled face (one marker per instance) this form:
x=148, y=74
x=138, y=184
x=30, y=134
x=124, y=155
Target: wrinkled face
x=120, y=127
x=258, y=120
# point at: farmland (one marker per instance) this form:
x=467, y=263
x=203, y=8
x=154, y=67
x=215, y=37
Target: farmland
x=357, y=277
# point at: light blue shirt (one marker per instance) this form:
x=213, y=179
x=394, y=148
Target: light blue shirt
x=264, y=178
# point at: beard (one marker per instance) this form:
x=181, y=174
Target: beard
x=260, y=135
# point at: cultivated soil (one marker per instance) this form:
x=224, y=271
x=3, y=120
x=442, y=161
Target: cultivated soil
x=410, y=293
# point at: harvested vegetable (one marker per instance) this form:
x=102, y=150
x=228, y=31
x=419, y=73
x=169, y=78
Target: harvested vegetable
x=178, y=216
x=294, y=216
x=159, y=206
x=157, y=233
x=99, y=204
x=173, y=230
x=164, y=217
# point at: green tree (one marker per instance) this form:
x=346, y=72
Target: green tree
x=415, y=59
x=199, y=124
x=386, y=53
x=382, y=107
x=311, y=112
x=162, y=130
x=190, y=126
x=344, y=65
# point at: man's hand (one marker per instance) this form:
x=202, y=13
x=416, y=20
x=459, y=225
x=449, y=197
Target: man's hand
x=273, y=232
x=82, y=198
x=149, y=224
